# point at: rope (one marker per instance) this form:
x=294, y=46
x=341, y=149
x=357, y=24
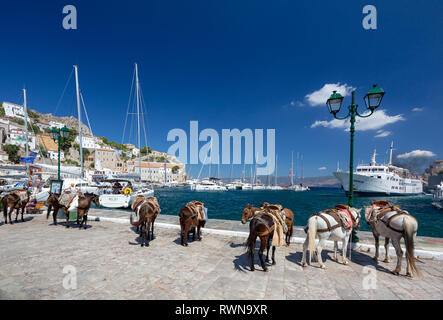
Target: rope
x=63, y=93
x=129, y=103
x=86, y=113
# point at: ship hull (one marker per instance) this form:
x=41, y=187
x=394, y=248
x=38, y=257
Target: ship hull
x=373, y=186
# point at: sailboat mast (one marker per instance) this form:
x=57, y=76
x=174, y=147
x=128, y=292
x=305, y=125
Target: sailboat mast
x=77, y=89
x=292, y=169
x=25, y=107
x=390, y=153
x=138, y=119
x=276, y=163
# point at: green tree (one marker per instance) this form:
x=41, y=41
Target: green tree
x=33, y=114
x=2, y=110
x=12, y=151
x=175, y=169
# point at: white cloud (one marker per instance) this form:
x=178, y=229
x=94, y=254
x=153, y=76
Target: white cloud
x=417, y=109
x=322, y=168
x=296, y=103
x=319, y=97
x=417, y=154
x=382, y=134
x=376, y=121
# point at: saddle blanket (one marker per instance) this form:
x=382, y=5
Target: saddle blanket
x=345, y=218
x=23, y=195
x=68, y=199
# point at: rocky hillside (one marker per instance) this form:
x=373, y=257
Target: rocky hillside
x=71, y=122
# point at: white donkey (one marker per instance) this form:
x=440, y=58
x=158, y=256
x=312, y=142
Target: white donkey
x=325, y=227
x=393, y=223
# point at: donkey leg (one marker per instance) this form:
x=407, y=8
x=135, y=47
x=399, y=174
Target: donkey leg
x=273, y=256
x=10, y=214
x=305, y=248
x=268, y=246
x=54, y=215
x=185, y=234
x=319, y=250
x=85, y=218
x=23, y=211
x=199, y=237
x=387, y=258
x=147, y=229
x=377, y=244
x=335, y=250
x=344, y=249
x=260, y=253
x=17, y=212
x=399, y=251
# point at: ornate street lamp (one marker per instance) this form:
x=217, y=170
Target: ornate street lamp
x=372, y=100
x=56, y=135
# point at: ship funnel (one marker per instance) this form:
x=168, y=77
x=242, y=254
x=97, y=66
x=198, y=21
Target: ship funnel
x=390, y=153
x=373, y=157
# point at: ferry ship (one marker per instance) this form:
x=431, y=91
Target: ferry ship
x=381, y=180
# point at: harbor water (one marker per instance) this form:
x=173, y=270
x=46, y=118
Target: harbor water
x=229, y=205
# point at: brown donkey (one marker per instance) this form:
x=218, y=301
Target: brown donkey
x=84, y=203
x=147, y=210
x=250, y=210
x=16, y=199
x=191, y=215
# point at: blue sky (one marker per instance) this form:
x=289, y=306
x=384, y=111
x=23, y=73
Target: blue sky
x=236, y=64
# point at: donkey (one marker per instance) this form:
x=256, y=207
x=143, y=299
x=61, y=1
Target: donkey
x=83, y=205
x=325, y=226
x=191, y=216
x=147, y=209
x=16, y=199
x=393, y=223
x=250, y=210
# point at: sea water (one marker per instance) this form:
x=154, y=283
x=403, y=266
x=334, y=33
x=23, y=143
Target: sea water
x=229, y=205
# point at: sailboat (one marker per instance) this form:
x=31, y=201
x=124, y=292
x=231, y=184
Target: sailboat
x=295, y=186
x=112, y=198
x=210, y=183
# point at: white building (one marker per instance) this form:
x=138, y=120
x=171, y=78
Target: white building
x=54, y=124
x=89, y=142
x=54, y=155
x=13, y=110
x=17, y=137
x=155, y=171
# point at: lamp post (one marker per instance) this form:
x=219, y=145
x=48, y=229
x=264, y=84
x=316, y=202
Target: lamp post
x=57, y=134
x=372, y=100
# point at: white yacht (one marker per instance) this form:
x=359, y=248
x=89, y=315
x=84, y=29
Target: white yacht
x=381, y=179
x=298, y=187
x=123, y=196
x=208, y=185
x=438, y=197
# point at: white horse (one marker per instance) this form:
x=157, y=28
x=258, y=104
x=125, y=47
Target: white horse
x=319, y=228
x=394, y=225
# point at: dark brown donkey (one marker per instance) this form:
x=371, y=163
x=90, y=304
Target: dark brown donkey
x=147, y=210
x=191, y=215
x=250, y=210
x=84, y=203
x=16, y=199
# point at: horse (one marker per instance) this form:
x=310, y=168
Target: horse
x=16, y=199
x=191, y=215
x=147, y=209
x=393, y=223
x=250, y=210
x=326, y=225
x=83, y=205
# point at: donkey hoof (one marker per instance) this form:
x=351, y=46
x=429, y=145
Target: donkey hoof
x=304, y=264
x=346, y=262
x=395, y=272
x=252, y=269
x=266, y=270
x=274, y=263
x=387, y=260
x=375, y=259
x=323, y=267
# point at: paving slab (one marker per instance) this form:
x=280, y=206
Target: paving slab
x=105, y=261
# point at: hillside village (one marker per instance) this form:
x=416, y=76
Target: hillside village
x=99, y=154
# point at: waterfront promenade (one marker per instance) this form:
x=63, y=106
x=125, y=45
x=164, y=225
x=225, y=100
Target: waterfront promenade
x=110, y=264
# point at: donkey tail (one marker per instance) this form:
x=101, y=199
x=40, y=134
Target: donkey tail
x=312, y=225
x=409, y=234
x=137, y=223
